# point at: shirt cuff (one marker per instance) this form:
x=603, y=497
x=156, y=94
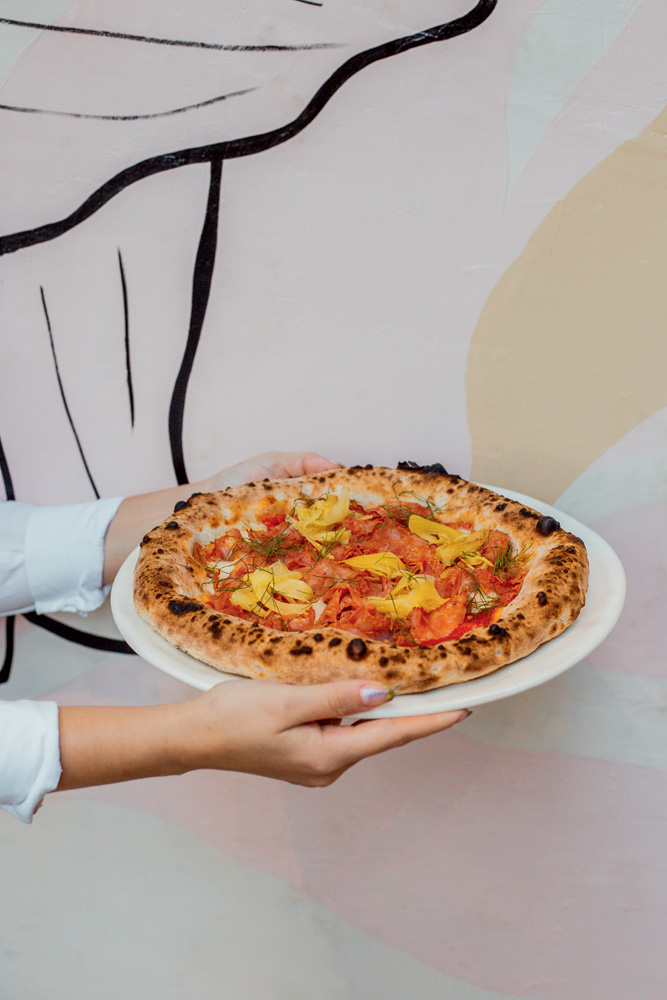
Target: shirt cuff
x=29, y=755
x=64, y=555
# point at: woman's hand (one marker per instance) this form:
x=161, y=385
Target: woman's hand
x=270, y=465
x=275, y=730
x=294, y=733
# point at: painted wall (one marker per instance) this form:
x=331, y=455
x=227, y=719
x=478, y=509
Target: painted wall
x=452, y=253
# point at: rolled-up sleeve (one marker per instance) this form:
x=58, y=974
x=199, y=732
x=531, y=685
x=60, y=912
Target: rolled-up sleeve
x=29, y=755
x=52, y=558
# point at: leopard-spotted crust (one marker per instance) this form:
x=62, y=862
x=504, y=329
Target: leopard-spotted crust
x=168, y=595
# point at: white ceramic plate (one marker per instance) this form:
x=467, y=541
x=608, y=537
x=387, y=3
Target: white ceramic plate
x=604, y=601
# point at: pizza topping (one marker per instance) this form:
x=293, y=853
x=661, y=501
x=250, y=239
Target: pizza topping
x=410, y=593
x=266, y=584
x=393, y=572
x=382, y=563
x=314, y=518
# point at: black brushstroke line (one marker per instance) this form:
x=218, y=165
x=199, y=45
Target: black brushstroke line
x=8, y=659
x=62, y=394
x=311, y=3
x=177, y=42
x=127, y=118
x=81, y=638
x=126, y=319
x=6, y=475
x=216, y=152
x=201, y=289
x=248, y=145
x=6, y=669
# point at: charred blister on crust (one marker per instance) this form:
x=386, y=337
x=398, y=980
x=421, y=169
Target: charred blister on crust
x=183, y=607
x=357, y=649
x=545, y=525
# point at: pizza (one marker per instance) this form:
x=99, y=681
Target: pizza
x=408, y=576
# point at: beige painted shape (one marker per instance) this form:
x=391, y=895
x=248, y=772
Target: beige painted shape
x=570, y=351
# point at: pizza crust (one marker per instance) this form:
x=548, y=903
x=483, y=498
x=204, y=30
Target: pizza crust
x=168, y=595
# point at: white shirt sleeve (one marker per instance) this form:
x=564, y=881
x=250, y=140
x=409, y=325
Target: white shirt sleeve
x=29, y=755
x=52, y=558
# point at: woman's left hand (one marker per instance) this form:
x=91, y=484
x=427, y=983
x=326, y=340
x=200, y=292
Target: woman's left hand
x=270, y=465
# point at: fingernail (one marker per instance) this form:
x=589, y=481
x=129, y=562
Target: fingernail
x=464, y=715
x=375, y=695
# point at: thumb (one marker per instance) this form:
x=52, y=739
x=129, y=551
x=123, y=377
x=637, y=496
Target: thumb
x=337, y=699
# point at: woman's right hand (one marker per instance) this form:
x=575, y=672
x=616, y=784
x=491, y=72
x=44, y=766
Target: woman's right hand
x=277, y=730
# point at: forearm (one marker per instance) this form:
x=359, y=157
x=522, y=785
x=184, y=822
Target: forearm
x=137, y=515
x=100, y=745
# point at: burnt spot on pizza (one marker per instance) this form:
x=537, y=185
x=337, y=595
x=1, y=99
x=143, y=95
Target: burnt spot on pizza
x=497, y=630
x=357, y=649
x=391, y=673
x=571, y=550
x=383, y=661
x=500, y=506
x=317, y=637
x=541, y=598
x=336, y=641
x=172, y=525
x=145, y=540
x=267, y=652
x=437, y=468
x=520, y=615
x=301, y=651
x=193, y=495
x=184, y=607
x=531, y=513
x=179, y=505
x=545, y=525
